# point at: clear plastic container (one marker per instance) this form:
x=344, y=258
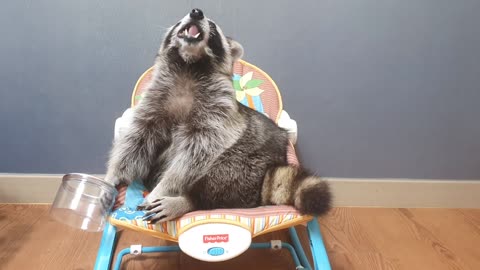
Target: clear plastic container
x=83, y=201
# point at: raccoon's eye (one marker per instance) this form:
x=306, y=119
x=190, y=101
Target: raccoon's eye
x=212, y=25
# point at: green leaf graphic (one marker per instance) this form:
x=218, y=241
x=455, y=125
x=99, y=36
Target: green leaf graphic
x=253, y=83
x=236, y=85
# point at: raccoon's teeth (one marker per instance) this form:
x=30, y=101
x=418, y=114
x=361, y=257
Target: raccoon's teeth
x=185, y=32
x=197, y=35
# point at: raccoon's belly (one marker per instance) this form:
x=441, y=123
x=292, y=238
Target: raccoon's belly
x=235, y=181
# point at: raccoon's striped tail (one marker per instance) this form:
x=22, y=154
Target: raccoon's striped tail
x=291, y=185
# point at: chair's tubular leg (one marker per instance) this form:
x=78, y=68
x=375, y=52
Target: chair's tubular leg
x=105, y=251
x=120, y=255
x=294, y=255
x=284, y=245
x=260, y=245
x=299, y=248
x=160, y=249
x=126, y=251
x=319, y=253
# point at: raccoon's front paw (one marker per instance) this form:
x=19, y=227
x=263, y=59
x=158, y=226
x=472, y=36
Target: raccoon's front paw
x=107, y=201
x=112, y=179
x=165, y=209
x=111, y=203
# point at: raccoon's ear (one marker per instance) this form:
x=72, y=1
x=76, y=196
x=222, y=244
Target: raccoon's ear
x=235, y=48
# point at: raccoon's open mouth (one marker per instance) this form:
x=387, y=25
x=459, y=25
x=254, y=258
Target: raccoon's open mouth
x=191, y=33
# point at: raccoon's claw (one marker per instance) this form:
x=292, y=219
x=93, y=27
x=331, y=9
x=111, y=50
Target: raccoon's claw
x=165, y=209
x=155, y=211
x=147, y=205
x=141, y=207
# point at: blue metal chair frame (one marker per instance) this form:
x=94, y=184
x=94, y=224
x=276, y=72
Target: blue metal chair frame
x=319, y=253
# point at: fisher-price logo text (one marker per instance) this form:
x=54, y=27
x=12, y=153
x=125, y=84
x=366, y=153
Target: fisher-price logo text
x=214, y=238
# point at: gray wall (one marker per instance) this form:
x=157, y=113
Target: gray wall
x=379, y=88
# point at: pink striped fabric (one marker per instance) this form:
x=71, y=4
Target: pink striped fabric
x=247, y=212
x=291, y=155
x=271, y=99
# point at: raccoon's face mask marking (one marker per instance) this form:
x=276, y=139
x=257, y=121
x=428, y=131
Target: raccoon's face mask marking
x=196, y=38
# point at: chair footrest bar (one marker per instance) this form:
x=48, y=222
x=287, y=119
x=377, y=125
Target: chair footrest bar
x=126, y=251
x=287, y=246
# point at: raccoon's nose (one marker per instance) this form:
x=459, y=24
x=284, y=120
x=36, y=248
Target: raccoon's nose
x=196, y=14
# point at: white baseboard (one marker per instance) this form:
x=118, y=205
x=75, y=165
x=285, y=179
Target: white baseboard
x=29, y=188
x=41, y=188
x=406, y=193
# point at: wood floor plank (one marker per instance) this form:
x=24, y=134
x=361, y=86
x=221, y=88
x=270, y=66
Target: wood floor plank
x=397, y=240
x=454, y=237
x=472, y=217
x=355, y=238
x=344, y=232
x=49, y=245
x=16, y=226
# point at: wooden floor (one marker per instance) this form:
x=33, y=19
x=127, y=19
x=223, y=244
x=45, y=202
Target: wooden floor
x=356, y=238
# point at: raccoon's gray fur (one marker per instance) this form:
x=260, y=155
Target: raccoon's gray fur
x=195, y=147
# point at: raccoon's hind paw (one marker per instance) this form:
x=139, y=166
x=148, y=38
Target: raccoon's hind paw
x=165, y=209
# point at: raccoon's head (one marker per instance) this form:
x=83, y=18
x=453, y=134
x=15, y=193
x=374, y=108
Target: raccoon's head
x=198, y=41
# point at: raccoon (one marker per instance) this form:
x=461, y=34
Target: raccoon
x=195, y=147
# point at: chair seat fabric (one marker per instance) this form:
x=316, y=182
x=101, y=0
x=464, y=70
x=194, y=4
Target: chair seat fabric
x=258, y=220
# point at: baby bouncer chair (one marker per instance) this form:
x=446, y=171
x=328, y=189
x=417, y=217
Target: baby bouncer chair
x=221, y=234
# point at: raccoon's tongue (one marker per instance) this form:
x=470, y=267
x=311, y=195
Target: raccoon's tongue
x=193, y=31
